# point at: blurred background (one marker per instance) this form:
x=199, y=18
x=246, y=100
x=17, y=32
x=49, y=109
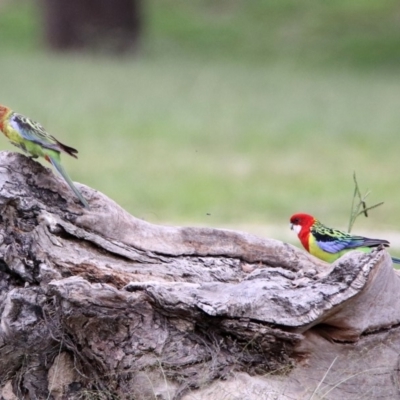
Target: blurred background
x=217, y=113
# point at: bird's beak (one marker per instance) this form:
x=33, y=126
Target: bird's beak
x=291, y=226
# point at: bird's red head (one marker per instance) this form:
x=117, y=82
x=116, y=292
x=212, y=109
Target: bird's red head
x=4, y=111
x=301, y=222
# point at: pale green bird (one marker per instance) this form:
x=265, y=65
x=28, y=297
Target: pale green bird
x=32, y=138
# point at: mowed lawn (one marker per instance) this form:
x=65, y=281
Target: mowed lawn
x=192, y=138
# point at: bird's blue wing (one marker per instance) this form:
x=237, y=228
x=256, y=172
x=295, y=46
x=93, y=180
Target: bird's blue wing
x=334, y=245
x=333, y=241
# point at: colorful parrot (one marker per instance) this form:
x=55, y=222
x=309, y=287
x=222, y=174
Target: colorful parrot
x=329, y=244
x=32, y=138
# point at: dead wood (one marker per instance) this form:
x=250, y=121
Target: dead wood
x=97, y=304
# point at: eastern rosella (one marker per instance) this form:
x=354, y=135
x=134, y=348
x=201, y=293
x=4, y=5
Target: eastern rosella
x=32, y=138
x=329, y=244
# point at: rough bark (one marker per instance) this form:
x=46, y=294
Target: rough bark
x=97, y=304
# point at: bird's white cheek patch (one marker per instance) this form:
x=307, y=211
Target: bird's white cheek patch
x=296, y=228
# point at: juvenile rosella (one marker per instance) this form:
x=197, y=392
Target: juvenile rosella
x=329, y=244
x=32, y=138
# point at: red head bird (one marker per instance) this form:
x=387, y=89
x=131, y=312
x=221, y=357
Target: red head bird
x=329, y=244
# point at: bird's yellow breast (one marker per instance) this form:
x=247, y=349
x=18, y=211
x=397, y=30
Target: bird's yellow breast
x=18, y=140
x=316, y=251
x=11, y=133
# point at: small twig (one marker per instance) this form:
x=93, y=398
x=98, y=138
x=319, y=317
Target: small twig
x=165, y=378
x=361, y=206
x=350, y=377
x=51, y=387
x=369, y=208
x=323, y=378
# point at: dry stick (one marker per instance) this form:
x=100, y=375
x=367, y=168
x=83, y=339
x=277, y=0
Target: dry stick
x=165, y=378
x=323, y=378
x=55, y=372
x=355, y=210
x=350, y=377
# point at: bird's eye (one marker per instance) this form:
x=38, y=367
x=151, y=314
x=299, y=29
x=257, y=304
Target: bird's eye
x=296, y=221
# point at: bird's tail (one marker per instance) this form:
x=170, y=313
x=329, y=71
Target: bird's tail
x=60, y=169
x=396, y=260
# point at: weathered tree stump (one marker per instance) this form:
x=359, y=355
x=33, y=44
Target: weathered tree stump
x=97, y=304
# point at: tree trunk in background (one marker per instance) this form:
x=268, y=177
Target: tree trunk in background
x=96, y=304
x=114, y=25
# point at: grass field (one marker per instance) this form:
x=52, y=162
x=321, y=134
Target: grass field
x=231, y=116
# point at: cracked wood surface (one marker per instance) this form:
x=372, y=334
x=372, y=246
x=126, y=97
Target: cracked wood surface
x=99, y=302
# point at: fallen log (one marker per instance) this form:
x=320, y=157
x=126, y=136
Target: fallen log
x=99, y=304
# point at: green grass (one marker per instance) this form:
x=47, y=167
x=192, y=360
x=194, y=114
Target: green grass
x=19, y=25
x=363, y=33
x=185, y=134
